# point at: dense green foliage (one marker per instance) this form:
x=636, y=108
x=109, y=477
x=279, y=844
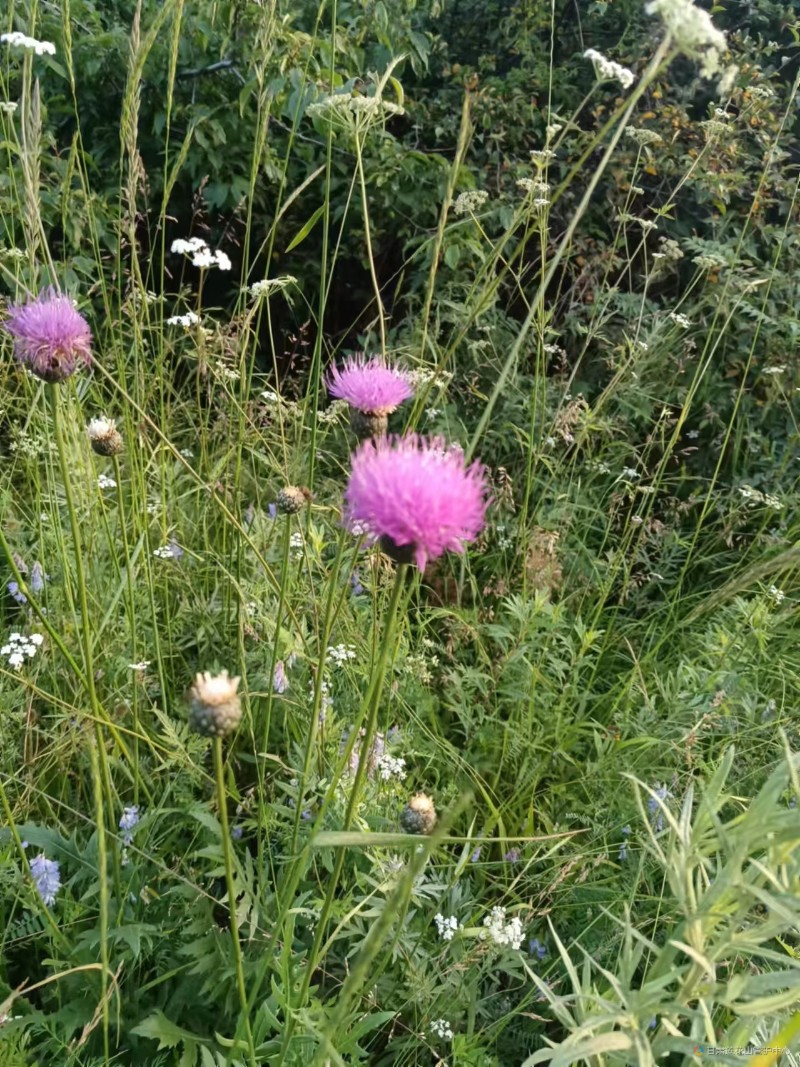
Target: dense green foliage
x=596, y=287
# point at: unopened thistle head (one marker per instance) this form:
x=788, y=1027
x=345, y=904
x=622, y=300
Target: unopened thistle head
x=372, y=388
x=291, y=499
x=417, y=496
x=215, y=709
x=419, y=815
x=104, y=437
x=50, y=337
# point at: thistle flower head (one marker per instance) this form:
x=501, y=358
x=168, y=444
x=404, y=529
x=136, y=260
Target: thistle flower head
x=214, y=706
x=50, y=336
x=369, y=385
x=104, y=437
x=418, y=494
x=419, y=815
x=291, y=499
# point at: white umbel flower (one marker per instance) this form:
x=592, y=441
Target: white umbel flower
x=607, y=70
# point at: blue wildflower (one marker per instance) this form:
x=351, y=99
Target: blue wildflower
x=272, y=511
x=47, y=878
x=656, y=814
x=476, y=855
x=38, y=578
x=128, y=822
x=280, y=683
x=16, y=593
x=536, y=948
x=236, y=832
x=512, y=856
x=356, y=588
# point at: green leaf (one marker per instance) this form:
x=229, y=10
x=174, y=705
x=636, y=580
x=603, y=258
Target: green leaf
x=168, y=1035
x=307, y=228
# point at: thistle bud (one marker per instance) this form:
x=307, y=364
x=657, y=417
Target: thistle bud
x=214, y=706
x=104, y=437
x=365, y=424
x=419, y=815
x=291, y=499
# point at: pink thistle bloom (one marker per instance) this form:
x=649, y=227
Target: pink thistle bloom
x=50, y=336
x=416, y=492
x=369, y=385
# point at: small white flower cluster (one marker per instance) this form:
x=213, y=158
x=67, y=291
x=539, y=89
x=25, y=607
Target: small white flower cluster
x=344, y=109
x=693, y=31
x=201, y=254
x=470, y=202
x=8, y=107
x=643, y=137
x=442, y=1028
x=680, y=320
x=777, y=594
x=754, y=497
x=607, y=70
x=333, y=412
x=296, y=545
x=503, y=540
x=18, y=647
x=142, y=666
x=170, y=551
x=104, y=482
x=187, y=320
x=537, y=188
x=774, y=370
x=389, y=767
x=541, y=156
x=338, y=655
x=268, y=286
x=501, y=932
x=446, y=925
x=326, y=700
x=436, y=379
x=30, y=44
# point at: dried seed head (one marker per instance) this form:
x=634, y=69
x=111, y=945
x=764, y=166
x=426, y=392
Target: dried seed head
x=419, y=815
x=104, y=437
x=214, y=706
x=292, y=498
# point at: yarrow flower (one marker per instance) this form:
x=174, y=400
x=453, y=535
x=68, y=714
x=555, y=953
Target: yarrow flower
x=187, y=320
x=417, y=496
x=372, y=388
x=202, y=256
x=446, y=926
x=50, y=336
x=442, y=1028
x=693, y=31
x=18, y=646
x=608, y=70
x=30, y=44
x=46, y=878
x=501, y=932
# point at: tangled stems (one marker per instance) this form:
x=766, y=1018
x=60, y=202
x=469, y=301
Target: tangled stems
x=372, y=704
x=227, y=852
x=100, y=772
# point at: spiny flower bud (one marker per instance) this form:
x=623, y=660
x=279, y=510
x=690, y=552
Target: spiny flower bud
x=366, y=424
x=214, y=706
x=104, y=437
x=291, y=499
x=419, y=815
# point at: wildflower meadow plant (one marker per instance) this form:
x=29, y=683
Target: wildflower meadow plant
x=51, y=338
x=417, y=495
x=372, y=388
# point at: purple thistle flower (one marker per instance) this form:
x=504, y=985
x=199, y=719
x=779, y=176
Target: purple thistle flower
x=417, y=493
x=50, y=336
x=46, y=877
x=369, y=385
x=280, y=683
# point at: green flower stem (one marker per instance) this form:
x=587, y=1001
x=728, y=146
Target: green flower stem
x=83, y=598
x=102, y=871
x=227, y=852
x=372, y=702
